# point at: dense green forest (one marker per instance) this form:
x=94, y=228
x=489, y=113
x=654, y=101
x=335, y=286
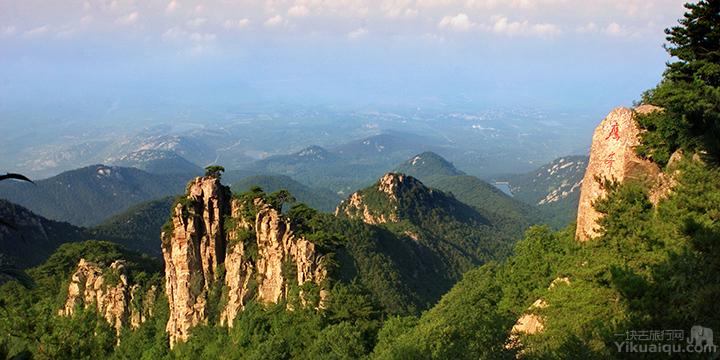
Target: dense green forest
x=320, y=199
x=137, y=228
x=88, y=196
x=653, y=268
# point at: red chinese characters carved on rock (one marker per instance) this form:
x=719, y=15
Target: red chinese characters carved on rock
x=610, y=159
x=614, y=132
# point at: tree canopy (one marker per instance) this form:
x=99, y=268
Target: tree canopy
x=690, y=89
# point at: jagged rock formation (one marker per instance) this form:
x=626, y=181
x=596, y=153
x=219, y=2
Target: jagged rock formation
x=390, y=185
x=356, y=207
x=192, y=253
x=613, y=157
x=109, y=291
x=262, y=257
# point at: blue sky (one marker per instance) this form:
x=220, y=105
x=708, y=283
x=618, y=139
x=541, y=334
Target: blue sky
x=552, y=53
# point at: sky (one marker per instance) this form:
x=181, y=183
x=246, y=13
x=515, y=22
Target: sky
x=559, y=54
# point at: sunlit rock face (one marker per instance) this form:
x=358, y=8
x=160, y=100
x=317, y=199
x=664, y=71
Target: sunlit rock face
x=261, y=257
x=390, y=186
x=193, y=252
x=108, y=290
x=613, y=157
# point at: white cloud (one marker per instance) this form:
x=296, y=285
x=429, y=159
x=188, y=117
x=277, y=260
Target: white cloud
x=545, y=29
x=128, y=19
x=196, y=22
x=514, y=4
x=409, y=19
x=357, y=33
x=433, y=3
x=274, y=21
x=298, y=11
x=394, y=8
x=588, y=28
x=615, y=29
x=66, y=32
x=173, y=34
x=236, y=24
x=40, y=30
x=171, y=7
x=176, y=34
x=431, y=37
x=503, y=26
x=202, y=37
x=8, y=30
x=459, y=22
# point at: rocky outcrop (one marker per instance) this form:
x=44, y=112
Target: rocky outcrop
x=262, y=257
x=613, y=157
x=387, y=196
x=530, y=322
x=108, y=290
x=239, y=276
x=282, y=259
x=192, y=253
x=356, y=208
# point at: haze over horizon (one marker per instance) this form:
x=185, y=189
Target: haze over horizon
x=499, y=86
x=555, y=54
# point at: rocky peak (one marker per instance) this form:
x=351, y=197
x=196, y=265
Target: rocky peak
x=108, y=289
x=262, y=256
x=613, y=157
x=282, y=260
x=391, y=184
x=387, y=200
x=192, y=252
x=377, y=204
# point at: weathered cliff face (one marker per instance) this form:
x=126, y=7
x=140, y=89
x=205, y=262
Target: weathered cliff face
x=239, y=269
x=282, y=259
x=612, y=157
x=109, y=291
x=262, y=257
x=192, y=253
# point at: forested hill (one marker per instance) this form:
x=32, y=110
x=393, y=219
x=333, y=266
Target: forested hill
x=91, y=194
x=27, y=239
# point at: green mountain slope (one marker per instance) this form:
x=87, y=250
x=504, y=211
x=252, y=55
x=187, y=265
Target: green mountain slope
x=138, y=228
x=647, y=258
x=428, y=167
x=91, y=194
x=453, y=236
x=503, y=210
x=32, y=238
x=323, y=200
